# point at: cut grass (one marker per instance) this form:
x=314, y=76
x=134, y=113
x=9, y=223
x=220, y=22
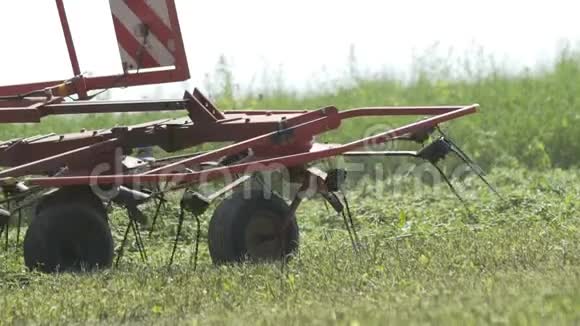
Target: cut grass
x=515, y=261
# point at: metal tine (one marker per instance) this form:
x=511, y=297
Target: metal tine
x=461, y=152
x=347, y=226
x=19, y=226
x=7, y=229
x=351, y=221
x=123, y=243
x=349, y=231
x=195, y=253
x=475, y=168
x=482, y=177
x=130, y=227
x=179, y=227
x=161, y=203
x=138, y=240
x=472, y=165
x=137, y=228
x=479, y=172
x=469, y=213
x=463, y=156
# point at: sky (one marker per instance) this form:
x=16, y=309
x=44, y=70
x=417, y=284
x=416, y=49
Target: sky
x=308, y=41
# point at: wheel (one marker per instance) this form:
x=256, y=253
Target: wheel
x=68, y=237
x=73, y=194
x=251, y=228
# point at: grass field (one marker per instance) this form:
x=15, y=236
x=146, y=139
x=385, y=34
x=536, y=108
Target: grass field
x=516, y=261
x=425, y=261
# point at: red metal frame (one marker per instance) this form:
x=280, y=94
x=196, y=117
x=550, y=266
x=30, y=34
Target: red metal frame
x=258, y=165
x=277, y=138
x=82, y=91
x=271, y=139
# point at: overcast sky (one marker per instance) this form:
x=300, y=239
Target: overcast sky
x=308, y=40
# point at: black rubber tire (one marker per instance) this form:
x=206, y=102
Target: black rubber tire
x=68, y=238
x=73, y=194
x=232, y=230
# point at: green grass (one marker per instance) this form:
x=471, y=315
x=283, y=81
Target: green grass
x=528, y=119
x=515, y=261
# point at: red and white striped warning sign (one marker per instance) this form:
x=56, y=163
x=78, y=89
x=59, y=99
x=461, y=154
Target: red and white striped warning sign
x=144, y=33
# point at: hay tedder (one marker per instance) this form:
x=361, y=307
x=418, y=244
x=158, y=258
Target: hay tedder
x=69, y=179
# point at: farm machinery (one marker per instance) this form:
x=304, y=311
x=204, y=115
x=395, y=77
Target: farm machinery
x=70, y=178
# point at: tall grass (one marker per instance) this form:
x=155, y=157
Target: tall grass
x=528, y=118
